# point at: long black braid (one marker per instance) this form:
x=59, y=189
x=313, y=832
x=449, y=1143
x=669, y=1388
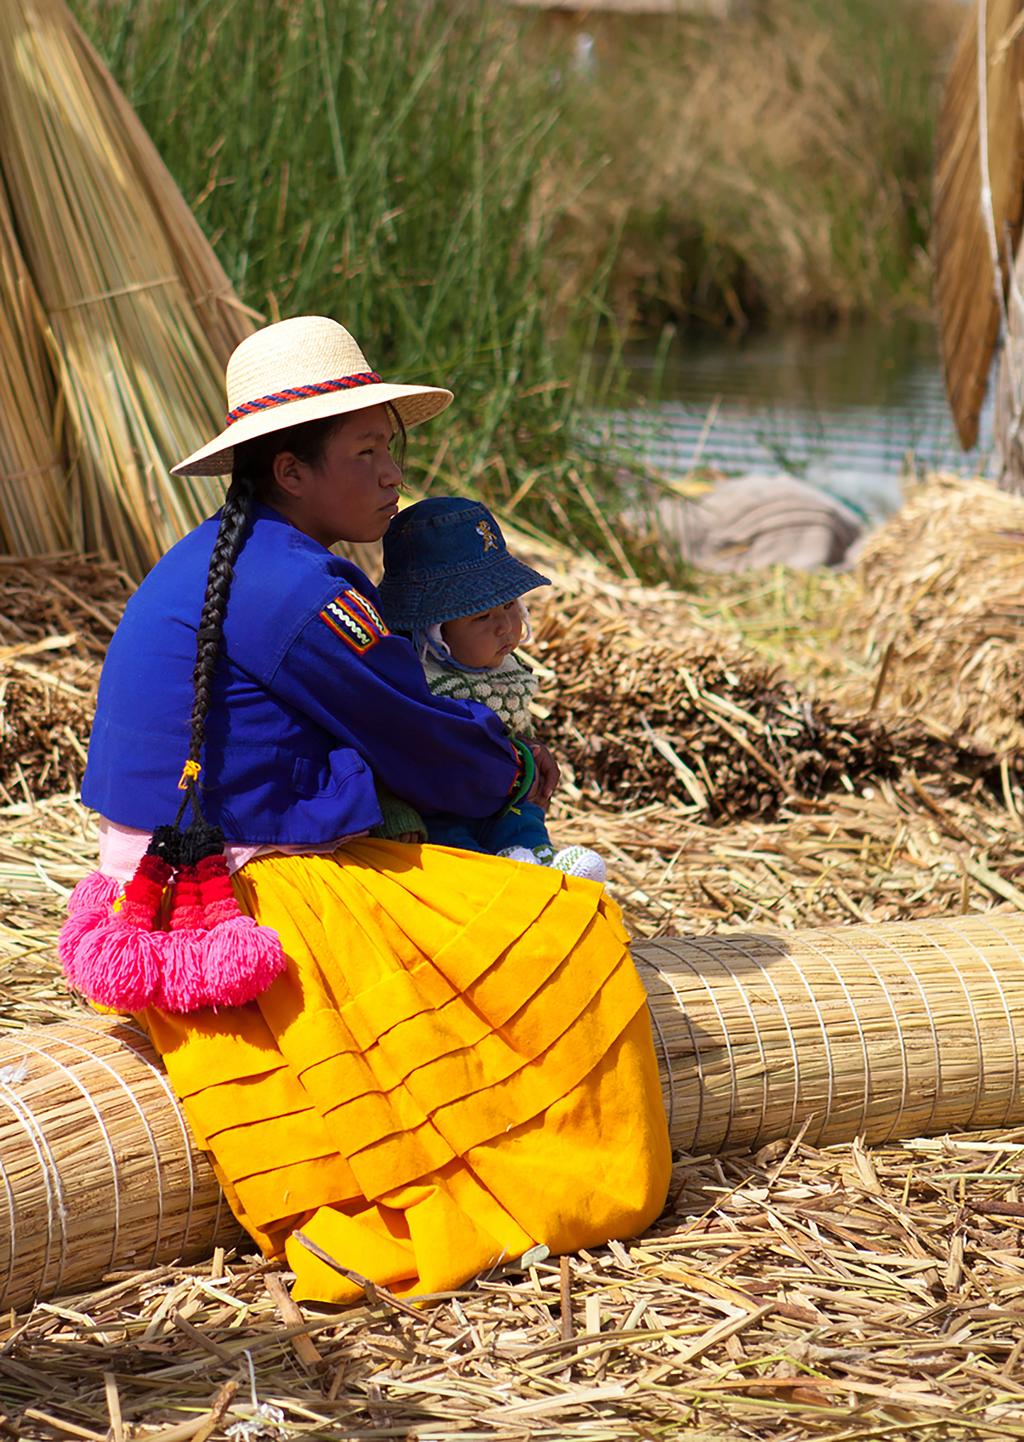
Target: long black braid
x=200, y=839
x=234, y=522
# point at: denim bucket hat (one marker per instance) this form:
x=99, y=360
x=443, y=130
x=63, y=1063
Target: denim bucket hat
x=445, y=557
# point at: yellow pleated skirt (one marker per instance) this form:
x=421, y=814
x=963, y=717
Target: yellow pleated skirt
x=456, y=1066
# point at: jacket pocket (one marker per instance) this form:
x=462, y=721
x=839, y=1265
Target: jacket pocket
x=315, y=776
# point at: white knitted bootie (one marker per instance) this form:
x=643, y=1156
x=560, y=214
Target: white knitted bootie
x=519, y=853
x=580, y=861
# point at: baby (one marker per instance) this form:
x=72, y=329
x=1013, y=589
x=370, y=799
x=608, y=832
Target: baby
x=451, y=585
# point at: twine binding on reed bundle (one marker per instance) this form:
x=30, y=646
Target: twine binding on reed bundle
x=876, y=1031
x=97, y=1167
x=176, y=938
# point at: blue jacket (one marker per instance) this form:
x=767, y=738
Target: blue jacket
x=312, y=699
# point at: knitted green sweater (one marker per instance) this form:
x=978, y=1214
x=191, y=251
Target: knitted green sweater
x=508, y=689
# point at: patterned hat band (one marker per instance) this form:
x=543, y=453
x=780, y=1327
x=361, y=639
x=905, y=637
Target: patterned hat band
x=298, y=393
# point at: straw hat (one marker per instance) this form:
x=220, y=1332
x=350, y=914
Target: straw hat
x=302, y=369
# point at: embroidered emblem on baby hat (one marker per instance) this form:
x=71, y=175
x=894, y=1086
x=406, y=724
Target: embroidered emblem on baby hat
x=490, y=540
x=352, y=617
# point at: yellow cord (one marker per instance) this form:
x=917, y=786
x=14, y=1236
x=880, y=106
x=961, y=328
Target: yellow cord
x=190, y=772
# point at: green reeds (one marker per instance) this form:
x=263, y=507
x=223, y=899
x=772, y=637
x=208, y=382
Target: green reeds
x=388, y=164
x=775, y=164
x=476, y=210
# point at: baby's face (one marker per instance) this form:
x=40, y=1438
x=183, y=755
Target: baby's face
x=486, y=638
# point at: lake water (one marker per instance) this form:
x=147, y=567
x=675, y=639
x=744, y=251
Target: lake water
x=854, y=411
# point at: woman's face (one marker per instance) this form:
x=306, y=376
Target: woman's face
x=351, y=492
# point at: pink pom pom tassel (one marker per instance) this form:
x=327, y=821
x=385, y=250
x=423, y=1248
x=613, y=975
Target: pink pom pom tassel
x=94, y=892
x=116, y=964
x=182, y=986
x=77, y=926
x=241, y=960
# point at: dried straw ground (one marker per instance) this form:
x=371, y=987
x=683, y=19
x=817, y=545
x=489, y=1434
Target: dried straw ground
x=841, y=1294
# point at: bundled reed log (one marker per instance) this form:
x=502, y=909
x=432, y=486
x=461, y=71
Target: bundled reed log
x=138, y=314
x=97, y=1170
x=880, y=1032
x=873, y=1031
x=941, y=603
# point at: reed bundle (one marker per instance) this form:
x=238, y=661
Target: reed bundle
x=640, y=716
x=979, y=194
x=138, y=314
x=34, y=511
x=941, y=604
x=876, y=1032
x=223, y=318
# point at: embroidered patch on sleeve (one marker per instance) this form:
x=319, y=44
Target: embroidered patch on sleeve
x=357, y=602
x=355, y=620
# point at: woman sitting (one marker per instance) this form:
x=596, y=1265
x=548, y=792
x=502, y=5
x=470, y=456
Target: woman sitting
x=410, y=1062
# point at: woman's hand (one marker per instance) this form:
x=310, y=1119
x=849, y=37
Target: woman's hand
x=546, y=779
